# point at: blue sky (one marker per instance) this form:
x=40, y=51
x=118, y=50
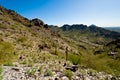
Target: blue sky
x=58, y=12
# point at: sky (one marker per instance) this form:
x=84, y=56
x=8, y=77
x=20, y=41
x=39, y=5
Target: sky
x=103, y=13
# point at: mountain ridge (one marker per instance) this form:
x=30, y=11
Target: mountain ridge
x=93, y=29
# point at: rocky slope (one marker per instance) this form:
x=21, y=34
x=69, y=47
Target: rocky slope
x=33, y=50
x=28, y=73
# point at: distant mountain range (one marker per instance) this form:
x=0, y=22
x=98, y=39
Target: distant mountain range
x=98, y=31
x=117, y=29
x=92, y=31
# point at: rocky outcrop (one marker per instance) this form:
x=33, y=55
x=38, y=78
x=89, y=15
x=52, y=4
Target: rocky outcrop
x=37, y=22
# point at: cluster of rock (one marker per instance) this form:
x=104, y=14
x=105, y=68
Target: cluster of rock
x=37, y=73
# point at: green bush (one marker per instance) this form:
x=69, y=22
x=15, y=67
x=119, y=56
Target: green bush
x=68, y=73
x=49, y=73
x=31, y=71
x=75, y=59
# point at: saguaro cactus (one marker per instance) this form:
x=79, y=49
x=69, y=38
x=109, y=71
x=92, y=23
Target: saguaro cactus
x=66, y=52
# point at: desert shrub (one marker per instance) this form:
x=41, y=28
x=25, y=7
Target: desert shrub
x=49, y=73
x=24, y=62
x=75, y=59
x=82, y=71
x=41, y=69
x=21, y=39
x=31, y=71
x=69, y=74
x=6, y=52
x=30, y=64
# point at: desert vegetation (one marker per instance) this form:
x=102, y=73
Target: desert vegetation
x=39, y=50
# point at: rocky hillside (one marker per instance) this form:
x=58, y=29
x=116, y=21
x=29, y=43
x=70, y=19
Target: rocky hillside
x=33, y=50
x=28, y=35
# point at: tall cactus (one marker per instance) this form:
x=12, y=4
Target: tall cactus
x=66, y=52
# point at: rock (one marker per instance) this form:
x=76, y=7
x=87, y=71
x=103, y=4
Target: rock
x=72, y=68
x=64, y=78
x=76, y=78
x=20, y=57
x=113, y=78
x=22, y=73
x=57, y=79
x=87, y=78
x=16, y=69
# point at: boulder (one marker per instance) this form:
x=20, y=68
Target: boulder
x=64, y=78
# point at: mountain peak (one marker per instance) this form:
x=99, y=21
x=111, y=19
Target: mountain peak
x=73, y=27
x=92, y=25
